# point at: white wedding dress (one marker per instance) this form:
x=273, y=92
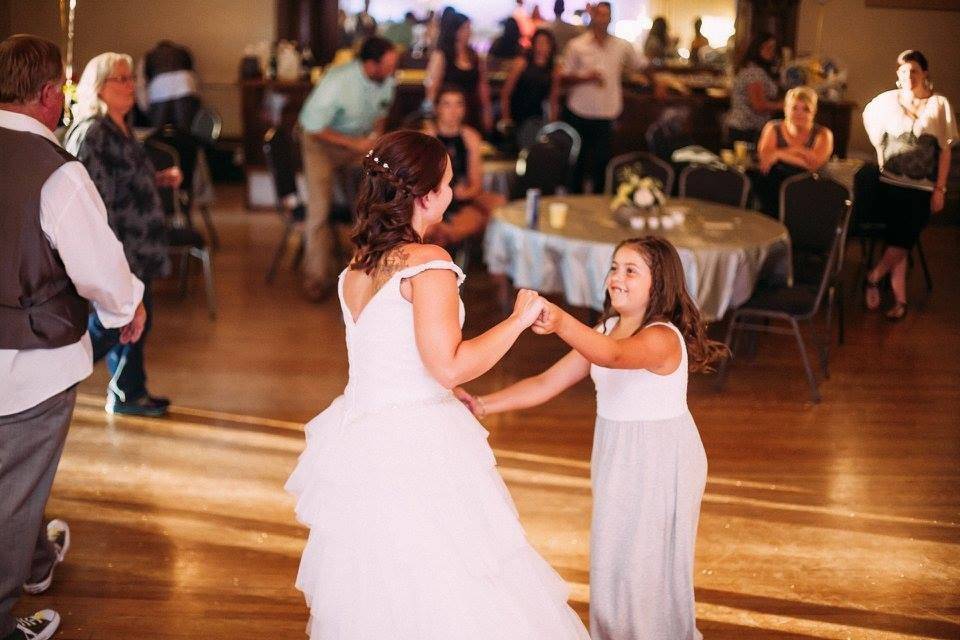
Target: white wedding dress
x=413, y=535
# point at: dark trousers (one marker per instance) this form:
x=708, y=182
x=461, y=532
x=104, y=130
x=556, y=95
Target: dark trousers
x=30, y=446
x=597, y=138
x=128, y=378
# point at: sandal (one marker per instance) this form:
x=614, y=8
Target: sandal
x=871, y=291
x=897, y=312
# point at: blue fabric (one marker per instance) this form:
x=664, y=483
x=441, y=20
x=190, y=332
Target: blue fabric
x=346, y=101
x=128, y=378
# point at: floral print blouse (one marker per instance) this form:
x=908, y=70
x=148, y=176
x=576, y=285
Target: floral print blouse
x=119, y=167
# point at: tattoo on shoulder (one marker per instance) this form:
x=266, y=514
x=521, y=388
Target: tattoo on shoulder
x=391, y=264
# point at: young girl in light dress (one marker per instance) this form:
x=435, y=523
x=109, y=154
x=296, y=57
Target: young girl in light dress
x=648, y=465
x=413, y=535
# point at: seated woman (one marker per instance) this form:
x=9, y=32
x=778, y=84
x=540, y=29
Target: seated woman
x=790, y=146
x=470, y=209
x=534, y=79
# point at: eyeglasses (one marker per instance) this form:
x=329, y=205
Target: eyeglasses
x=122, y=79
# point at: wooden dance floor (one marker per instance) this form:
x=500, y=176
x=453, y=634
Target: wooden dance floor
x=840, y=520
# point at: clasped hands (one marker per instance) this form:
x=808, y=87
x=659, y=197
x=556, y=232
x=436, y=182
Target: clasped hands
x=536, y=312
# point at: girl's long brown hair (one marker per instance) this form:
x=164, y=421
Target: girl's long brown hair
x=670, y=302
x=401, y=167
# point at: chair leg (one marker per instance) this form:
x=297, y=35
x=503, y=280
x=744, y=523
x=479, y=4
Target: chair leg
x=841, y=337
x=923, y=265
x=184, y=272
x=811, y=380
x=278, y=254
x=724, y=366
x=204, y=255
x=211, y=230
x=828, y=334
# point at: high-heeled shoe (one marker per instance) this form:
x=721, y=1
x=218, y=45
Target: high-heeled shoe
x=897, y=312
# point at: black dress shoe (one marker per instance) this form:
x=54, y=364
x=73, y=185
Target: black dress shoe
x=161, y=400
x=142, y=406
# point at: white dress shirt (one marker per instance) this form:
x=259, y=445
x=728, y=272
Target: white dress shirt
x=585, y=54
x=74, y=220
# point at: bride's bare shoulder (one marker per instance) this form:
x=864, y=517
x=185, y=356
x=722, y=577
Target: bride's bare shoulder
x=421, y=253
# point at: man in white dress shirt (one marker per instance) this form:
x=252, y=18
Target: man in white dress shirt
x=57, y=255
x=593, y=68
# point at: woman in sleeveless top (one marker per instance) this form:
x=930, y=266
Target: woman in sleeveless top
x=470, y=209
x=913, y=129
x=648, y=465
x=533, y=79
x=455, y=63
x=791, y=146
x=413, y=535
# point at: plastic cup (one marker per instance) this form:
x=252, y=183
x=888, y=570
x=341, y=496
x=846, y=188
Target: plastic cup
x=557, y=214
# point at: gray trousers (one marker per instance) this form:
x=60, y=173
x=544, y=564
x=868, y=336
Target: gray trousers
x=30, y=446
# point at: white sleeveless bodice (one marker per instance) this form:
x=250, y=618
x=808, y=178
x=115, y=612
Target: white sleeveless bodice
x=628, y=395
x=385, y=365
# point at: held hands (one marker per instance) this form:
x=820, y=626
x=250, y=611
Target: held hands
x=549, y=320
x=134, y=329
x=527, y=307
x=470, y=401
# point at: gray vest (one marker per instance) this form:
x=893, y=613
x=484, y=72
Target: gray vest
x=39, y=306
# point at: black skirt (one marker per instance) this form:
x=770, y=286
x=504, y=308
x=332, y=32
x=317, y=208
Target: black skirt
x=905, y=211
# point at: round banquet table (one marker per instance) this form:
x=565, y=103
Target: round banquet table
x=723, y=249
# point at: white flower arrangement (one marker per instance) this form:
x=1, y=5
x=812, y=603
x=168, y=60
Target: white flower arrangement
x=634, y=190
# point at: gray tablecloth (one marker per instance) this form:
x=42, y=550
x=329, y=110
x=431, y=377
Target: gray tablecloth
x=723, y=250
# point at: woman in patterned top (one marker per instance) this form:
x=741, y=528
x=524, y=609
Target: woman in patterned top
x=753, y=95
x=912, y=129
x=102, y=140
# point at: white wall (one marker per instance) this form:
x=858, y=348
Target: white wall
x=216, y=31
x=867, y=40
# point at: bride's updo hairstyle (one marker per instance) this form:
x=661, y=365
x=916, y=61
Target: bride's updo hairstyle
x=401, y=167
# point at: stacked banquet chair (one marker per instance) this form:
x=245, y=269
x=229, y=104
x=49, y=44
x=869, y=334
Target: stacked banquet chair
x=816, y=212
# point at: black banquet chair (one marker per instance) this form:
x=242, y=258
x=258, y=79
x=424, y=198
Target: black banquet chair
x=182, y=238
x=280, y=150
x=716, y=183
x=543, y=165
x=652, y=166
x=816, y=212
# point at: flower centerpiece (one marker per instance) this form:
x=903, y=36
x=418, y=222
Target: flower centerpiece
x=636, y=195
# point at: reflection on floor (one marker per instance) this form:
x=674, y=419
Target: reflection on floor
x=831, y=521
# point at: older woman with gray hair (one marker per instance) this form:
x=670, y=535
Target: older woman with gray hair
x=102, y=140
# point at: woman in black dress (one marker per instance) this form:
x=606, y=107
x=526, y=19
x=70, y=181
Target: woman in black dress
x=455, y=63
x=533, y=80
x=469, y=211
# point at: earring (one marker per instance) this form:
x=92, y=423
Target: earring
x=899, y=84
x=929, y=85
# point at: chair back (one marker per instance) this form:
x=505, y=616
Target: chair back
x=163, y=156
x=187, y=148
x=652, y=166
x=563, y=136
x=542, y=165
x=279, y=148
x=671, y=131
x=716, y=183
x=816, y=212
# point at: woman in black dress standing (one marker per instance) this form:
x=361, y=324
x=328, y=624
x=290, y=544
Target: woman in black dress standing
x=534, y=79
x=455, y=63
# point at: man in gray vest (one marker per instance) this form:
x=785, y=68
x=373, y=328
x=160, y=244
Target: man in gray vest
x=57, y=255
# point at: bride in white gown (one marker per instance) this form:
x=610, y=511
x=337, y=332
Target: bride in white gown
x=413, y=535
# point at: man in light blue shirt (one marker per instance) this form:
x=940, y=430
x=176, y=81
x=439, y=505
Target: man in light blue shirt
x=341, y=118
